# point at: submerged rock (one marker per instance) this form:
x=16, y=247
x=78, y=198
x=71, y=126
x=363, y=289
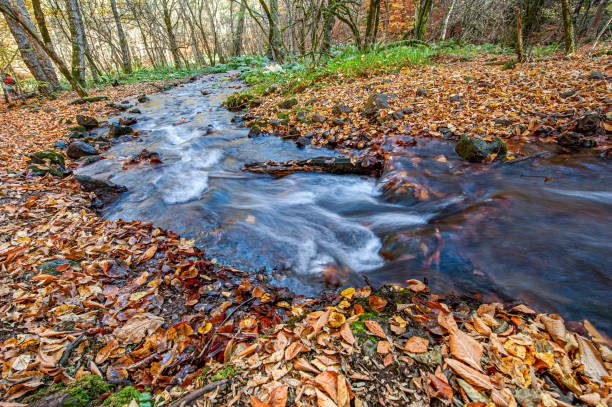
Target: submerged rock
x=573, y=140
x=105, y=191
x=143, y=99
x=78, y=149
x=117, y=130
x=588, y=123
x=476, y=150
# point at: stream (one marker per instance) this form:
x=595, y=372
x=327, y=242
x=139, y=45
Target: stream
x=537, y=231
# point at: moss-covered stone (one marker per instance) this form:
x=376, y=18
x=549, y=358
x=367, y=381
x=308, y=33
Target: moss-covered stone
x=288, y=103
x=477, y=150
x=123, y=397
x=48, y=156
x=225, y=373
x=84, y=390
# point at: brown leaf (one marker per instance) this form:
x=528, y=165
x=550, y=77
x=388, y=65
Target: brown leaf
x=322, y=321
x=591, y=359
x=555, y=327
x=347, y=334
x=328, y=382
x=304, y=365
x=294, y=349
x=466, y=348
x=137, y=327
x=503, y=398
x=443, y=390
x=323, y=400
x=105, y=352
x=278, y=396
x=470, y=375
x=375, y=329
x=416, y=344
x=377, y=303
x=481, y=327
x=388, y=359
x=383, y=347
x=148, y=254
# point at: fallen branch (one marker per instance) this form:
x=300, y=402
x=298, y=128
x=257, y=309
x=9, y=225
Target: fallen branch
x=331, y=165
x=184, y=401
x=70, y=348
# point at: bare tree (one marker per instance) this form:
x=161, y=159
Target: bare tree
x=125, y=52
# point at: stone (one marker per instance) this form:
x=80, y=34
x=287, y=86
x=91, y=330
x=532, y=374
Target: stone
x=504, y=122
x=301, y=117
x=340, y=109
x=318, y=118
x=49, y=110
x=47, y=156
x=78, y=149
x=399, y=115
x=421, y=92
x=573, y=140
x=476, y=150
x=127, y=121
x=105, y=191
x=455, y=99
x=205, y=92
x=588, y=123
x=91, y=99
x=288, y=103
x=568, y=94
x=60, y=145
x=375, y=103
x=336, y=121
x=117, y=130
x=135, y=110
x=302, y=142
x=596, y=75
x=143, y=99
x=87, y=122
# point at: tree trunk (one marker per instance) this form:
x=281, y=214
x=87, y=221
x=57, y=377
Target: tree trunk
x=594, y=26
x=520, y=51
x=43, y=60
x=78, y=41
x=237, y=45
x=44, y=32
x=213, y=27
x=275, y=42
x=447, y=17
x=11, y=17
x=568, y=28
x=125, y=51
x=171, y=38
x=422, y=16
x=372, y=24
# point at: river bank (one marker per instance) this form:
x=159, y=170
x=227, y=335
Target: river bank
x=140, y=305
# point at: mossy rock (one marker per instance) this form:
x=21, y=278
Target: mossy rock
x=288, y=103
x=53, y=157
x=123, y=397
x=50, y=267
x=84, y=390
x=81, y=101
x=477, y=150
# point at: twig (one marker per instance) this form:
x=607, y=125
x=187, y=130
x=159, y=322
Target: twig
x=70, y=348
x=205, y=349
x=198, y=393
x=142, y=362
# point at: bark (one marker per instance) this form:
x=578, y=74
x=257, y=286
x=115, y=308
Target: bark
x=594, y=26
x=446, y=20
x=125, y=51
x=78, y=41
x=372, y=24
x=568, y=28
x=170, y=33
x=6, y=9
x=213, y=26
x=25, y=48
x=422, y=16
x=237, y=44
x=337, y=165
x=328, y=29
x=43, y=59
x=275, y=42
x=520, y=51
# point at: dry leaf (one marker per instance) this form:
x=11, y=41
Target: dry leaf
x=377, y=303
x=347, y=334
x=470, y=375
x=255, y=402
x=383, y=347
x=375, y=329
x=416, y=344
x=137, y=327
x=278, y=396
x=465, y=348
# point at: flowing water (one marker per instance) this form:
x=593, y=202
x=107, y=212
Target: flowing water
x=538, y=231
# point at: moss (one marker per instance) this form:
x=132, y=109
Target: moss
x=123, y=397
x=358, y=327
x=85, y=389
x=43, y=392
x=225, y=373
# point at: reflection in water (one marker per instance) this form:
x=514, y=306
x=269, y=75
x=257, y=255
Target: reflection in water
x=538, y=231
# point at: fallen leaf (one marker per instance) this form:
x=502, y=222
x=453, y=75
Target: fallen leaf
x=383, y=347
x=374, y=328
x=470, y=375
x=377, y=303
x=278, y=396
x=416, y=344
x=465, y=348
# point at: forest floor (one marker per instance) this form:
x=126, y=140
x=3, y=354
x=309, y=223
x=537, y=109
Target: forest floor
x=96, y=311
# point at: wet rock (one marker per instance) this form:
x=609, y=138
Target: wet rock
x=288, y=103
x=336, y=121
x=87, y=122
x=341, y=109
x=205, y=92
x=596, y=75
x=254, y=131
x=375, y=103
x=145, y=155
x=143, y=99
x=128, y=121
x=447, y=132
x=573, y=140
x=504, y=122
x=421, y=92
x=60, y=145
x=105, y=191
x=568, y=94
x=81, y=101
x=135, y=110
x=455, y=99
x=117, y=130
x=588, y=123
x=399, y=115
x=302, y=142
x=476, y=150
x=301, y=117
x=119, y=107
x=78, y=129
x=47, y=156
x=89, y=159
x=318, y=118
x=78, y=149
x=331, y=165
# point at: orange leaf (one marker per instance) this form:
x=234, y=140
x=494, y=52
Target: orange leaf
x=322, y=321
x=416, y=344
x=383, y=347
x=294, y=349
x=304, y=365
x=149, y=253
x=465, y=348
x=255, y=402
x=328, y=382
x=470, y=375
x=358, y=309
x=388, y=359
x=375, y=329
x=377, y=303
x=347, y=334
x=105, y=352
x=278, y=396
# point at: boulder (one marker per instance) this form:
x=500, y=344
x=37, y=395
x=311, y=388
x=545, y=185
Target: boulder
x=143, y=99
x=78, y=149
x=87, y=122
x=117, y=130
x=588, y=123
x=476, y=150
x=341, y=109
x=596, y=75
x=421, y=92
x=573, y=140
x=60, y=145
x=336, y=121
x=302, y=142
x=318, y=118
x=47, y=162
x=375, y=103
x=288, y=103
x=105, y=191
